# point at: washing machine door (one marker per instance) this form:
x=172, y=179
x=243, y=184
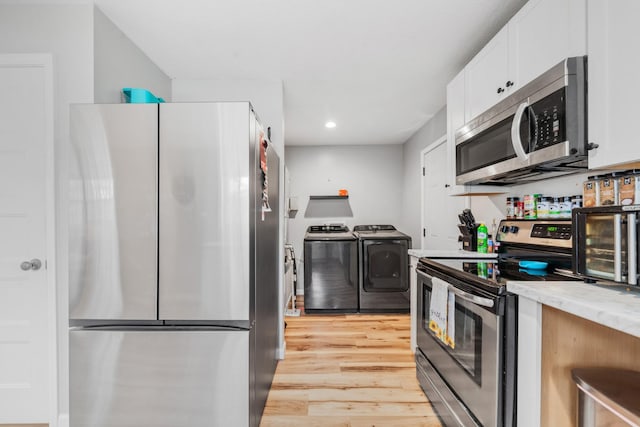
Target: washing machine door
x=386, y=266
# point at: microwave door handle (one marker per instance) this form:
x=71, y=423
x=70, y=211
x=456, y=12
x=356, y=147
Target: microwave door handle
x=484, y=302
x=632, y=257
x=515, y=132
x=617, y=247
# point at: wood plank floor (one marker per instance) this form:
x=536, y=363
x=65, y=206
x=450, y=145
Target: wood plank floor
x=349, y=371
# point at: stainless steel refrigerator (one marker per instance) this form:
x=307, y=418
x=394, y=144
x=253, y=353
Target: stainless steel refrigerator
x=173, y=287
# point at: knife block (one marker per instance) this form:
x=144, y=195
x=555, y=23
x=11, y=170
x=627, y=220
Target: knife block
x=469, y=238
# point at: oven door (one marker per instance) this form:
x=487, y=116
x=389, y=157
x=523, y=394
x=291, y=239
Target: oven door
x=474, y=369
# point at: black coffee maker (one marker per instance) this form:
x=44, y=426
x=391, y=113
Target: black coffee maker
x=468, y=230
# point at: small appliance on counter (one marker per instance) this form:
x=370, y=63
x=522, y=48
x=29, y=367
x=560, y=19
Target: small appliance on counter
x=468, y=230
x=606, y=245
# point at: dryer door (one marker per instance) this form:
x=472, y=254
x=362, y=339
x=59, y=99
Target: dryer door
x=386, y=266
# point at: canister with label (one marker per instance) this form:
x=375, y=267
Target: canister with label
x=629, y=188
x=590, y=192
x=608, y=190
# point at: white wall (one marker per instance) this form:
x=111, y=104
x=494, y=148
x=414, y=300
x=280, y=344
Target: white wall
x=487, y=208
x=65, y=31
x=373, y=175
x=412, y=192
x=119, y=63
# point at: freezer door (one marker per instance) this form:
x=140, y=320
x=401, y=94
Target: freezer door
x=159, y=378
x=205, y=256
x=113, y=210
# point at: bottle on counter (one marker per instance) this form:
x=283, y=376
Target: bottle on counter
x=530, y=206
x=543, y=206
x=512, y=203
x=565, y=207
x=490, y=245
x=482, y=238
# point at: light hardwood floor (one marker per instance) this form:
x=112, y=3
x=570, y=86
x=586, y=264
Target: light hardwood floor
x=348, y=371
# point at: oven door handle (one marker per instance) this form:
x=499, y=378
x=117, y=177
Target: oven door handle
x=484, y=302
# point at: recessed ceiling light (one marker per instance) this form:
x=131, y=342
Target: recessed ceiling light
x=330, y=125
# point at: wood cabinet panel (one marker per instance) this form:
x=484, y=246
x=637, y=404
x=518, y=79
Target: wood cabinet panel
x=570, y=342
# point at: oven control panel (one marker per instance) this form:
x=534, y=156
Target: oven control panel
x=551, y=231
x=555, y=233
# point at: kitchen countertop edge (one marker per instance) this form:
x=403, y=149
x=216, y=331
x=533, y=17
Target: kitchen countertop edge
x=614, y=308
x=449, y=253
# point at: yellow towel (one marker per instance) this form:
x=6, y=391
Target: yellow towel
x=442, y=312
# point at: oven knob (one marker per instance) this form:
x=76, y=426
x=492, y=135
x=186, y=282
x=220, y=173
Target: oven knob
x=504, y=229
x=513, y=229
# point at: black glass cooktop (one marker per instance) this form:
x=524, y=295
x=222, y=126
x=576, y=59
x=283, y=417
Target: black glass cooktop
x=495, y=274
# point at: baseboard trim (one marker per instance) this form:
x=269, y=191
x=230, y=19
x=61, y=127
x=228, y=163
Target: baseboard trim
x=63, y=420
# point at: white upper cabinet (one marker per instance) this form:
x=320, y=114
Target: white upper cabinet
x=485, y=76
x=540, y=35
x=543, y=33
x=614, y=87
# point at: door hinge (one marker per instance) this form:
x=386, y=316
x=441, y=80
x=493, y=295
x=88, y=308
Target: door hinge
x=424, y=232
x=423, y=172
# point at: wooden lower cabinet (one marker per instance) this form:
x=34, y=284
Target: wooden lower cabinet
x=570, y=342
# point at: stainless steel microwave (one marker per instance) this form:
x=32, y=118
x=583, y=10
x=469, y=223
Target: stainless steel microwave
x=606, y=243
x=538, y=132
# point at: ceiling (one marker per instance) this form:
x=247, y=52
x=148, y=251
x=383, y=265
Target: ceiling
x=378, y=68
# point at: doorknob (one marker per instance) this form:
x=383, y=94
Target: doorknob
x=34, y=264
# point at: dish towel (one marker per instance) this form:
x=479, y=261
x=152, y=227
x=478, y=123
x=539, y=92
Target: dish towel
x=442, y=312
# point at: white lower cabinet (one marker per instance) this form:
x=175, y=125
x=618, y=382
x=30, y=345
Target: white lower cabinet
x=614, y=87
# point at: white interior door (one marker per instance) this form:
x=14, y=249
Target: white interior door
x=439, y=209
x=26, y=320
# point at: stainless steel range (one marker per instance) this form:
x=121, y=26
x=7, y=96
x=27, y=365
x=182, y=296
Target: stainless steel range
x=468, y=370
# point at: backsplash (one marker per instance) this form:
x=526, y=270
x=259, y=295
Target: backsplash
x=487, y=208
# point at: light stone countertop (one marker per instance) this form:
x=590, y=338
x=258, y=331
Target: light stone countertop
x=611, y=306
x=448, y=253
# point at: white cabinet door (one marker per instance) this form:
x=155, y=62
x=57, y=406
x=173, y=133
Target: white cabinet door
x=542, y=34
x=614, y=88
x=439, y=219
x=455, y=120
x=486, y=76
